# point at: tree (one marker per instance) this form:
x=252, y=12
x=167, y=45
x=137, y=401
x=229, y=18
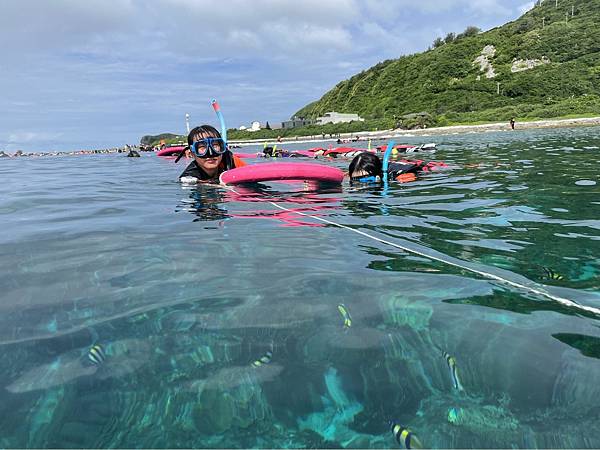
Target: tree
x=469, y=31
x=267, y=126
x=450, y=37
x=438, y=42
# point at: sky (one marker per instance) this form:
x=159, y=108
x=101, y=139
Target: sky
x=85, y=74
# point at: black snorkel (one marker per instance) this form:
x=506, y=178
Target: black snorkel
x=181, y=153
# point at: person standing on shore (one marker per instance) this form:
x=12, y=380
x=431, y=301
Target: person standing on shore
x=512, y=123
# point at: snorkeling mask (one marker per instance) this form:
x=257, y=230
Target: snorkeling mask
x=208, y=147
x=371, y=179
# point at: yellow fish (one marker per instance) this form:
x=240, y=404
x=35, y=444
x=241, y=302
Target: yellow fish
x=550, y=274
x=345, y=314
x=405, y=437
x=96, y=354
x=264, y=359
x=453, y=371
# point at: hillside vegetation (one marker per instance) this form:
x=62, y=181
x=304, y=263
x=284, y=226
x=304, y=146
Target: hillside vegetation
x=446, y=83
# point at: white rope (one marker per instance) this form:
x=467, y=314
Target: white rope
x=488, y=275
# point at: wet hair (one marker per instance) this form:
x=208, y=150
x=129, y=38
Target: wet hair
x=368, y=163
x=204, y=131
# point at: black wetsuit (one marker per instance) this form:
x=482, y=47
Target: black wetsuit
x=193, y=170
x=396, y=168
x=228, y=162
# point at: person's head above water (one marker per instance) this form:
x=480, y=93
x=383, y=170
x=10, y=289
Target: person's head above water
x=366, y=167
x=207, y=147
x=211, y=155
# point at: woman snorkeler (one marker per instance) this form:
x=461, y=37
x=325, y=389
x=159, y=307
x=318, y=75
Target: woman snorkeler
x=366, y=167
x=211, y=156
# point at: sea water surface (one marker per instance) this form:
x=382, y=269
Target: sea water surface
x=136, y=312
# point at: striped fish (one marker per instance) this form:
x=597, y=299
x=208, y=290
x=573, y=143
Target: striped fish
x=345, y=314
x=453, y=371
x=264, y=359
x=550, y=274
x=405, y=437
x=96, y=354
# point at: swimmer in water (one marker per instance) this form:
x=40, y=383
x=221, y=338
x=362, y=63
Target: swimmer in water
x=211, y=156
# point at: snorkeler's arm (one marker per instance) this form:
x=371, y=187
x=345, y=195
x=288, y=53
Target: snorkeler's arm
x=188, y=180
x=191, y=175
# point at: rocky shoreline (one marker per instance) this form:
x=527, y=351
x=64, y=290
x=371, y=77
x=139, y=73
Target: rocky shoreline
x=125, y=149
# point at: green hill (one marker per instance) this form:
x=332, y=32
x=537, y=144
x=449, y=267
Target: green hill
x=562, y=44
x=155, y=139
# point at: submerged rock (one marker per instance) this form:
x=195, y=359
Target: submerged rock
x=402, y=311
x=233, y=399
x=483, y=419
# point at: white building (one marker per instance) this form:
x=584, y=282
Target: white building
x=256, y=126
x=296, y=122
x=335, y=117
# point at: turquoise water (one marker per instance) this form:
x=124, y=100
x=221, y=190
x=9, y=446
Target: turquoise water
x=184, y=288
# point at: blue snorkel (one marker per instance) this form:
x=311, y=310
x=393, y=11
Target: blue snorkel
x=217, y=109
x=385, y=167
x=386, y=161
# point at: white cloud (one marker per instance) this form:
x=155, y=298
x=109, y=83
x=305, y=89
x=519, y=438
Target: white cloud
x=178, y=26
x=383, y=10
x=29, y=136
x=489, y=7
x=244, y=13
x=388, y=42
x=210, y=29
x=39, y=24
x=393, y=9
x=526, y=7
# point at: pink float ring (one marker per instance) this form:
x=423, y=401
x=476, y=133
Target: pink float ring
x=170, y=151
x=282, y=171
x=246, y=155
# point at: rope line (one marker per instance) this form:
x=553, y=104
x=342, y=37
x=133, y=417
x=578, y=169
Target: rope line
x=561, y=300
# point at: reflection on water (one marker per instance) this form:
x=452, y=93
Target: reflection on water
x=205, y=202
x=519, y=303
x=209, y=202
x=587, y=345
x=219, y=316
